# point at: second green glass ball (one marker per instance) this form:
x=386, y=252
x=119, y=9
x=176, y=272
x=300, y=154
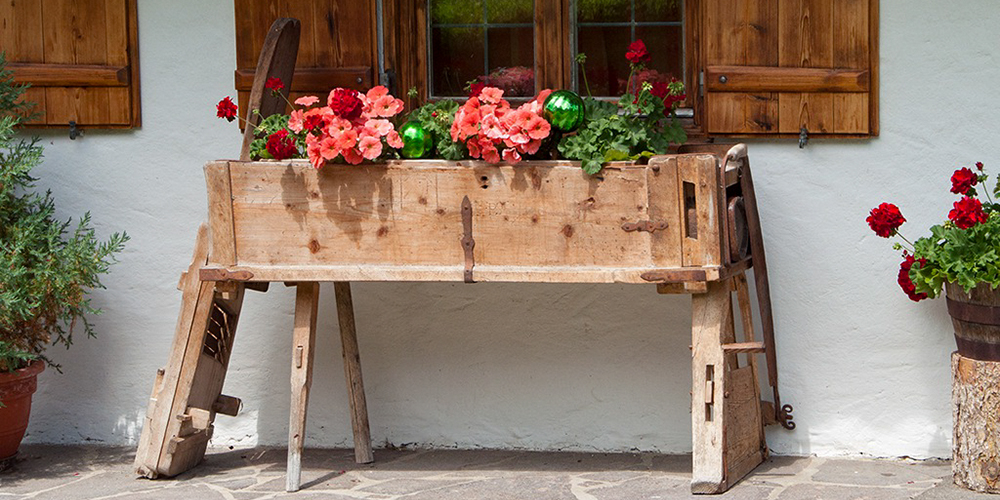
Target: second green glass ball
x=417, y=141
x=564, y=109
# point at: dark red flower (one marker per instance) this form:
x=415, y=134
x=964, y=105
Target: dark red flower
x=226, y=109
x=274, y=84
x=962, y=180
x=904, y=278
x=637, y=53
x=345, y=103
x=967, y=212
x=979, y=165
x=281, y=145
x=885, y=219
x=475, y=88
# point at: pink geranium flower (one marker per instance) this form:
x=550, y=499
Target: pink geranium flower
x=371, y=147
x=307, y=100
x=538, y=128
x=381, y=127
x=491, y=95
x=352, y=156
x=510, y=155
x=387, y=106
x=394, y=140
x=296, y=120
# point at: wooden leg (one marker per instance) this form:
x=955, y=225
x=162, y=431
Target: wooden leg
x=725, y=409
x=710, y=313
x=303, y=343
x=352, y=372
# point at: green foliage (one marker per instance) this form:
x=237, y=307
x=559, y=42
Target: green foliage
x=437, y=117
x=963, y=256
x=268, y=126
x=632, y=129
x=46, y=268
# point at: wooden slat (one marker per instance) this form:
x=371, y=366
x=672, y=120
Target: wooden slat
x=710, y=314
x=873, y=64
x=484, y=273
x=277, y=60
x=743, y=347
x=771, y=79
x=70, y=75
x=316, y=80
x=745, y=447
x=23, y=29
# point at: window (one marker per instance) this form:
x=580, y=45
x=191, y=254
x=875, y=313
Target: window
x=81, y=59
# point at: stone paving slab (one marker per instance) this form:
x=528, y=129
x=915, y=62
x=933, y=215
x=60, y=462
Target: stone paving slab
x=101, y=473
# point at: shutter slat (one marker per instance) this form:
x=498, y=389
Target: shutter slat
x=70, y=75
x=770, y=79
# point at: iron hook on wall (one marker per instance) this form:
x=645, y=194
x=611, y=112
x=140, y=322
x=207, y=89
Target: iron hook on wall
x=803, y=137
x=74, y=132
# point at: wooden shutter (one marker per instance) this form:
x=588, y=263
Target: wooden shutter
x=80, y=57
x=773, y=67
x=336, y=45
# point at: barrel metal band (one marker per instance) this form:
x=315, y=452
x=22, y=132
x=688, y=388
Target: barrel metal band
x=973, y=313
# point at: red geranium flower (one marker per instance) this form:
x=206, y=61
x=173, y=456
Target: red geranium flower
x=963, y=180
x=637, y=53
x=274, y=84
x=885, y=219
x=226, y=109
x=476, y=88
x=967, y=212
x=979, y=165
x=345, y=103
x=904, y=278
x=281, y=146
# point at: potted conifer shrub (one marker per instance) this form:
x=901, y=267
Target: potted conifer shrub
x=47, y=268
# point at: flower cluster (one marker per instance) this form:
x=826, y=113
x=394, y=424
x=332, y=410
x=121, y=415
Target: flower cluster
x=352, y=125
x=962, y=250
x=492, y=130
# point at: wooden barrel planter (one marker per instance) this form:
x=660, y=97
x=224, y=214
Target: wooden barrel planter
x=976, y=317
x=975, y=376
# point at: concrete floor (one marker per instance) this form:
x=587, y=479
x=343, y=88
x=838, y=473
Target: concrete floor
x=91, y=472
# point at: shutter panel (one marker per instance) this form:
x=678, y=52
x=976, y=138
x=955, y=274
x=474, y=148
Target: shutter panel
x=80, y=58
x=336, y=45
x=773, y=67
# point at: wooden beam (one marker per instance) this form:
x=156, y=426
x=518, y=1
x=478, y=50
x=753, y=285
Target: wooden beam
x=315, y=79
x=69, y=75
x=774, y=79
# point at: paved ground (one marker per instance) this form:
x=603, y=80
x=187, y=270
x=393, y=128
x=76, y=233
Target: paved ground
x=83, y=472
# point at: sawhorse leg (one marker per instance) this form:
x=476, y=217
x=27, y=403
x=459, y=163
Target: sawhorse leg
x=727, y=430
x=352, y=372
x=303, y=344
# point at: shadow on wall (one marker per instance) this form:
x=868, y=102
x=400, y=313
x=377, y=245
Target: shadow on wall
x=491, y=366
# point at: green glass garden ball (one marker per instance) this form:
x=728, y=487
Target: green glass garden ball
x=417, y=142
x=564, y=109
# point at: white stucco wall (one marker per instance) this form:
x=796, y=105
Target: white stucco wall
x=543, y=366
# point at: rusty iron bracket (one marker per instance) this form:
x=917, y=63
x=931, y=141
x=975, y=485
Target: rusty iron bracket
x=468, y=242
x=784, y=416
x=644, y=225
x=222, y=274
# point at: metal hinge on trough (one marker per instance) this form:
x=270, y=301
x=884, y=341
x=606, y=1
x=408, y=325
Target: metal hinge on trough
x=644, y=225
x=468, y=242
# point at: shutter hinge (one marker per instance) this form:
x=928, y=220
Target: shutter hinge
x=701, y=83
x=388, y=79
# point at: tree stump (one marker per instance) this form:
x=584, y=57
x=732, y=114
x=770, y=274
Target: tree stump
x=975, y=410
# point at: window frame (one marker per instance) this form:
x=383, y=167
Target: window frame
x=407, y=51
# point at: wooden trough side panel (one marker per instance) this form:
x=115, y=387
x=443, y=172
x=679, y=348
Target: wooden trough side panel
x=220, y=213
x=408, y=213
x=661, y=178
x=698, y=190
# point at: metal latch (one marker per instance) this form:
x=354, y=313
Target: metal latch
x=644, y=225
x=468, y=243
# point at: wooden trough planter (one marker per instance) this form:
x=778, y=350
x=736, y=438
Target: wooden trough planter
x=686, y=223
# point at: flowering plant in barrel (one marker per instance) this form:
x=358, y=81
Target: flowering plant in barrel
x=961, y=255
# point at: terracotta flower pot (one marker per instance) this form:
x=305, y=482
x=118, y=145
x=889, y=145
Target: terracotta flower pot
x=16, y=389
x=976, y=316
